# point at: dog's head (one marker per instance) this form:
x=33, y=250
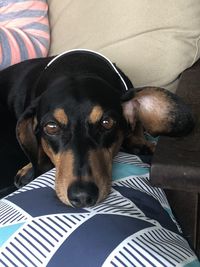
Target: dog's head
x=79, y=118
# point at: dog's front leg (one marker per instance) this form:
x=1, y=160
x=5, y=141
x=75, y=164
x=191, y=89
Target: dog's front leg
x=24, y=176
x=29, y=172
x=136, y=143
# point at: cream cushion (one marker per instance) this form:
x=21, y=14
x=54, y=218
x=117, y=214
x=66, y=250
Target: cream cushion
x=151, y=41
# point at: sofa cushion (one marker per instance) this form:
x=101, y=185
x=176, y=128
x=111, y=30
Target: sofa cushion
x=24, y=30
x=152, y=41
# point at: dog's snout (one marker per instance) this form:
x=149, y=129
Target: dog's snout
x=83, y=194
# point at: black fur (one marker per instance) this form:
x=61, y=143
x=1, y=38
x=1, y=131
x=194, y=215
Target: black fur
x=30, y=93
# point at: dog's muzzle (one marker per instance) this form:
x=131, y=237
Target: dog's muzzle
x=83, y=194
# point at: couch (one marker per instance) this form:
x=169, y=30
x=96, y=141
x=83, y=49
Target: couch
x=153, y=44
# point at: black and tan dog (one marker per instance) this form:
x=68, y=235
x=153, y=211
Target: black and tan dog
x=74, y=111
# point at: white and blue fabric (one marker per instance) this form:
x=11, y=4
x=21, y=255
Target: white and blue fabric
x=134, y=226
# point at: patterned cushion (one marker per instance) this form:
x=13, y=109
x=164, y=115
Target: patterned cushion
x=134, y=226
x=24, y=30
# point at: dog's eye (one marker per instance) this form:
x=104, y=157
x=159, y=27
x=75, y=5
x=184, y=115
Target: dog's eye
x=108, y=123
x=52, y=128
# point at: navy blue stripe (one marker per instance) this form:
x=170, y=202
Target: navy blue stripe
x=75, y=217
x=114, y=264
x=49, y=175
x=23, y=254
x=70, y=219
x=27, y=249
x=7, y=212
x=45, y=230
x=122, y=206
x=121, y=262
x=178, y=244
x=20, y=218
x=15, y=217
x=82, y=216
x=51, y=227
x=59, y=226
x=179, y=240
x=149, y=252
x=32, y=244
x=64, y=222
x=8, y=249
x=10, y=218
x=8, y=259
x=130, y=183
x=115, y=200
x=36, y=239
x=170, y=253
x=170, y=239
x=5, y=265
x=142, y=255
x=132, y=255
x=39, y=184
x=164, y=248
x=39, y=233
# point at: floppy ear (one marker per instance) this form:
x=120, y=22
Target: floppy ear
x=159, y=111
x=25, y=131
x=26, y=135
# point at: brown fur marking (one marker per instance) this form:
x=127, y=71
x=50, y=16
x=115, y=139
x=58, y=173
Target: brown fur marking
x=64, y=175
x=95, y=114
x=23, y=126
x=47, y=149
x=100, y=161
x=101, y=166
x=154, y=111
x=60, y=115
x=64, y=163
x=25, y=133
x=23, y=171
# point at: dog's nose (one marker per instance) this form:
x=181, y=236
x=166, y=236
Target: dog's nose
x=83, y=194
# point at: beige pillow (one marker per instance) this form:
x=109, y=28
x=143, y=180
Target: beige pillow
x=151, y=41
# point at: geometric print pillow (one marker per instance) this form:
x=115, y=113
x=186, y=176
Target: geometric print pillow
x=134, y=226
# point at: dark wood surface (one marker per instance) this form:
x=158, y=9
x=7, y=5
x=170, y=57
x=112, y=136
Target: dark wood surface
x=176, y=163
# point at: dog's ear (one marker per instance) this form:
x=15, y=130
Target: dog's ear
x=159, y=111
x=25, y=131
x=27, y=137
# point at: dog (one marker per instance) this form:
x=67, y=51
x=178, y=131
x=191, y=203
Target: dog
x=74, y=111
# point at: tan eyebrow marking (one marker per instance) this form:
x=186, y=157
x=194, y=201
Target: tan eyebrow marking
x=60, y=115
x=95, y=114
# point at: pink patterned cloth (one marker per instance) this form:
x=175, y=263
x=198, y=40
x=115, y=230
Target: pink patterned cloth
x=24, y=30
